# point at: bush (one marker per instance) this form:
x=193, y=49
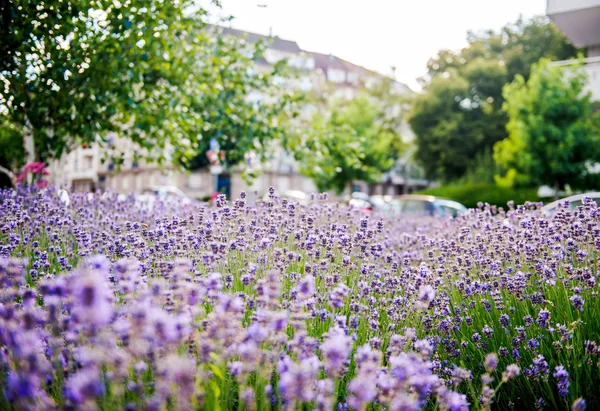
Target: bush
x=470, y=194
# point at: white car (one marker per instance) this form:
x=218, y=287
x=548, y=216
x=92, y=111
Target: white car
x=414, y=204
x=574, y=202
x=166, y=194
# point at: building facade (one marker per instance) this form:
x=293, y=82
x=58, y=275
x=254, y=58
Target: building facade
x=84, y=170
x=579, y=20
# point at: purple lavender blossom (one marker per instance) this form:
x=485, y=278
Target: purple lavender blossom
x=562, y=377
x=543, y=317
x=577, y=302
x=491, y=362
x=511, y=372
x=579, y=405
x=335, y=351
x=286, y=299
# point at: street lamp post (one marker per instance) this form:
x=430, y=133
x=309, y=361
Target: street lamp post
x=214, y=155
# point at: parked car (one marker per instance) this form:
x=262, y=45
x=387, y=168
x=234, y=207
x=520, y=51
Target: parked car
x=574, y=202
x=426, y=205
x=367, y=203
x=381, y=202
x=166, y=194
x=296, y=195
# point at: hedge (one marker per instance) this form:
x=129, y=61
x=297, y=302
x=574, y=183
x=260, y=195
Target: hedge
x=470, y=194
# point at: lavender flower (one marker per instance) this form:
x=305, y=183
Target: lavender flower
x=511, y=372
x=491, y=362
x=577, y=302
x=335, y=351
x=285, y=298
x=426, y=295
x=543, y=317
x=562, y=377
x=579, y=405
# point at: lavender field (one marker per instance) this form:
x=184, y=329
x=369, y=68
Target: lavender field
x=106, y=304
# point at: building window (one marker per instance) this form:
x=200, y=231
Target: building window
x=273, y=56
x=88, y=162
x=352, y=77
x=195, y=180
x=336, y=76
x=305, y=83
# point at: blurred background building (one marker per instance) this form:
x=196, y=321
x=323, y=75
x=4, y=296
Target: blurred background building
x=326, y=74
x=579, y=20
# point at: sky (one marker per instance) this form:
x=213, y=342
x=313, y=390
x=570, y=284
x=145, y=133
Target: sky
x=377, y=34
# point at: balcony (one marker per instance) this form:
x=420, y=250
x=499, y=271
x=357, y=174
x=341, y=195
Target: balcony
x=577, y=19
x=592, y=69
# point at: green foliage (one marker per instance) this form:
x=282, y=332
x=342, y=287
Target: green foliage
x=442, y=134
x=517, y=45
x=11, y=147
x=482, y=169
x=242, y=109
x=150, y=71
x=460, y=112
x=470, y=194
x=552, y=137
x=352, y=142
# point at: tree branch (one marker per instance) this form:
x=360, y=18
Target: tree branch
x=10, y=175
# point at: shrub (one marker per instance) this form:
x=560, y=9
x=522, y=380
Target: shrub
x=470, y=194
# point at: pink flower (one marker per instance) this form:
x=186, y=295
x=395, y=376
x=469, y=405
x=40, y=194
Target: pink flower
x=35, y=168
x=21, y=177
x=41, y=184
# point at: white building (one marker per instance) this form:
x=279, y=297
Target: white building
x=82, y=169
x=579, y=20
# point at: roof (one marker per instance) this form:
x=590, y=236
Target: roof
x=329, y=61
x=274, y=42
x=322, y=61
x=326, y=61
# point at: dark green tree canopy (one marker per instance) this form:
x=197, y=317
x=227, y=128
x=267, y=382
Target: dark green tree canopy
x=150, y=71
x=517, y=45
x=459, y=115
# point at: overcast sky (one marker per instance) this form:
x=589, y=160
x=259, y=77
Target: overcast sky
x=378, y=34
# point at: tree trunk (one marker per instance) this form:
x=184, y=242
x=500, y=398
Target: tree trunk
x=556, y=188
x=350, y=187
x=28, y=142
x=10, y=175
x=29, y=146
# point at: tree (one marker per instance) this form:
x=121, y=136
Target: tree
x=350, y=141
x=244, y=110
x=150, y=71
x=465, y=88
x=553, y=138
x=11, y=155
x=457, y=118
